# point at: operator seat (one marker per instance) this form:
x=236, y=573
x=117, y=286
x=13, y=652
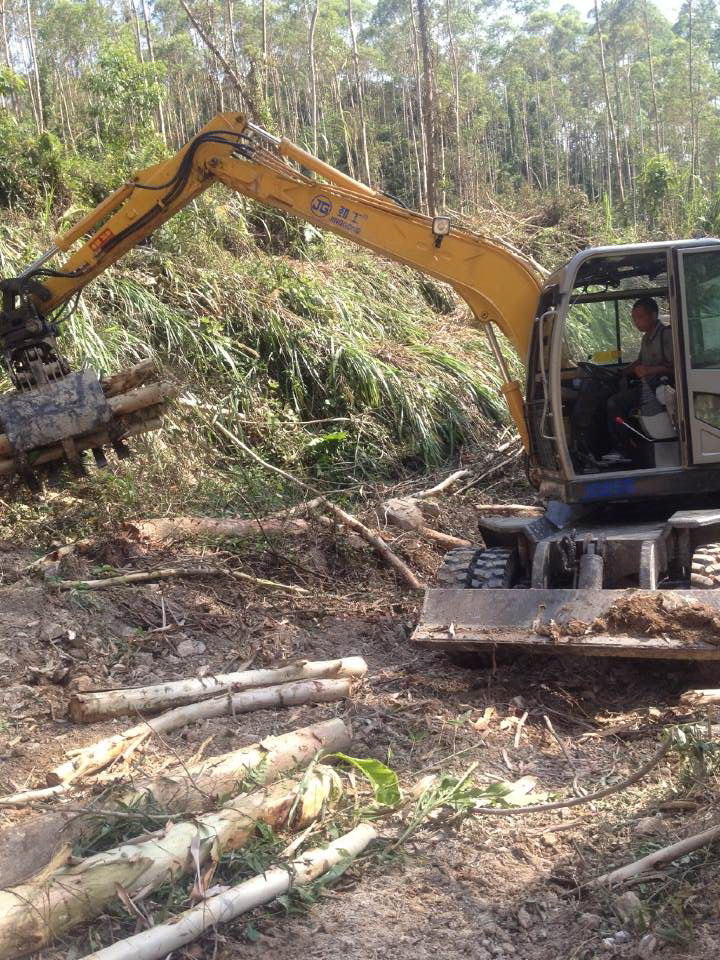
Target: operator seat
x=656, y=418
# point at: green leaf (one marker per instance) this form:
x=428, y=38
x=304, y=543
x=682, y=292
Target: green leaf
x=514, y=794
x=383, y=780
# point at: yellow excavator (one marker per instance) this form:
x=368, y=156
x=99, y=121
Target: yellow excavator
x=620, y=561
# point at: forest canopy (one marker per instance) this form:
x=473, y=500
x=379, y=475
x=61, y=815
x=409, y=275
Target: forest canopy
x=441, y=103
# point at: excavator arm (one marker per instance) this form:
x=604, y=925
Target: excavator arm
x=498, y=284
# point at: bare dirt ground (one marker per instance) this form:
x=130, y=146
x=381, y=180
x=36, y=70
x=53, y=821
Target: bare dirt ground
x=482, y=887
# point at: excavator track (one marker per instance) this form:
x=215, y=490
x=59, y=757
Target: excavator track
x=474, y=568
x=705, y=573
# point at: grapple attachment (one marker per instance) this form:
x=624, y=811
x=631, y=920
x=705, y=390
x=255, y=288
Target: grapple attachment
x=43, y=426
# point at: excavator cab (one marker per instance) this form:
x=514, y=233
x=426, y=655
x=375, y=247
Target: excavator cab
x=582, y=343
x=620, y=561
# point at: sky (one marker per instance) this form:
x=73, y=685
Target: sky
x=668, y=7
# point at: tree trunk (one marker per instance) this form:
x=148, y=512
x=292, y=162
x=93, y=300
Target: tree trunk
x=313, y=76
x=36, y=913
x=693, y=105
x=653, y=85
x=210, y=43
x=456, y=106
x=419, y=107
x=428, y=105
x=40, y=112
x=360, y=95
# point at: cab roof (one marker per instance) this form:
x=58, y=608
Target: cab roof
x=610, y=265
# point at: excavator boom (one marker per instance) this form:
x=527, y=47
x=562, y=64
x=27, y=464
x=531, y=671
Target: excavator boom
x=498, y=284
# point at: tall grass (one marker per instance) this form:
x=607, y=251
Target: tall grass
x=338, y=365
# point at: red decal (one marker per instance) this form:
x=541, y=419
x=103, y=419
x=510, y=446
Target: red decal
x=98, y=242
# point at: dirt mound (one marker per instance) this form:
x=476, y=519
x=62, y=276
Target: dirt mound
x=662, y=613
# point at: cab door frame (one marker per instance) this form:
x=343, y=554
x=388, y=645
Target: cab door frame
x=693, y=430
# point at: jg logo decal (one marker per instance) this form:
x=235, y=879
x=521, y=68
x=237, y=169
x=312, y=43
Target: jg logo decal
x=321, y=206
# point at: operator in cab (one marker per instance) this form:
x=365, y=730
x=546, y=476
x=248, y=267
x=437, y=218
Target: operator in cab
x=654, y=362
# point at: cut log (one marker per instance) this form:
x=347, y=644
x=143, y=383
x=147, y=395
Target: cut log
x=509, y=509
x=177, y=528
x=162, y=940
x=700, y=698
x=445, y=540
x=97, y=704
x=126, y=403
x=443, y=486
x=90, y=760
x=125, y=380
x=142, y=421
x=35, y=913
x=27, y=847
x=147, y=396
x=173, y=528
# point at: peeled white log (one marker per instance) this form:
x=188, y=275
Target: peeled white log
x=160, y=941
x=700, y=698
x=91, y=759
x=97, y=704
x=204, y=783
x=27, y=847
x=443, y=486
x=141, y=397
x=35, y=913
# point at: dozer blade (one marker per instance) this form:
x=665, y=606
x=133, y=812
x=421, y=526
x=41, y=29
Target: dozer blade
x=672, y=624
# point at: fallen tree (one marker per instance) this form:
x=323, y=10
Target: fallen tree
x=168, y=573
x=90, y=760
x=97, y=704
x=27, y=847
x=162, y=940
x=35, y=913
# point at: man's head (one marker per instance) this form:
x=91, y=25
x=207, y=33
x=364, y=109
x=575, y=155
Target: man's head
x=645, y=314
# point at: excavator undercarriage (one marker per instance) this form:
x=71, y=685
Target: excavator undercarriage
x=581, y=581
